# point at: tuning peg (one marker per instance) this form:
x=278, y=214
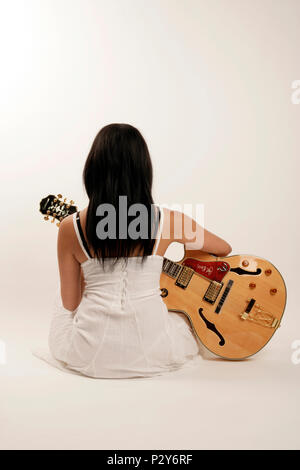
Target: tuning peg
x=65, y=200
x=53, y=220
x=71, y=202
x=58, y=224
x=46, y=218
x=59, y=196
x=68, y=206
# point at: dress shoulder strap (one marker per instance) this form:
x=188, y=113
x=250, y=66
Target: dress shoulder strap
x=159, y=231
x=80, y=235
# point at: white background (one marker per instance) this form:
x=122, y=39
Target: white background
x=209, y=85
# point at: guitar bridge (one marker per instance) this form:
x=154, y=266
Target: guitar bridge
x=256, y=314
x=213, y=291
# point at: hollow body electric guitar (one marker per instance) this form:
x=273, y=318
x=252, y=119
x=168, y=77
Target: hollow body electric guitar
x=234, y=304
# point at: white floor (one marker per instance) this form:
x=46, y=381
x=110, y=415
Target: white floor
x=214, y=404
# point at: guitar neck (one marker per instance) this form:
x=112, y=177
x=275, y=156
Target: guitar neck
x=171, y=268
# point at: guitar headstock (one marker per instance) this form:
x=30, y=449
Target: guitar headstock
x=56, y=207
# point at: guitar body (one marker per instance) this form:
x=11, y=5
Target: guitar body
x=234, y=304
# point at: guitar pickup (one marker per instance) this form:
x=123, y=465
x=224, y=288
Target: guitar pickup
x=184, y=277
x=213, y=291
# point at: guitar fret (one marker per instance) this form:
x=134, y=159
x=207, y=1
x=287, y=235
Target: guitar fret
x=171, y=268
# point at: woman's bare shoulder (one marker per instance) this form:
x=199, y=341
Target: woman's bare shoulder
x=66, y=223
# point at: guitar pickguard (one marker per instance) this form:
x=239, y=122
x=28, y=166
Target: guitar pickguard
x=213, y=270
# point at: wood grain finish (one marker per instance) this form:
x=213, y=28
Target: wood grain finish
x=242, y=337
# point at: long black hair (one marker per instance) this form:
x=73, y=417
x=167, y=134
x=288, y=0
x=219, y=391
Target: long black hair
x=119, y=164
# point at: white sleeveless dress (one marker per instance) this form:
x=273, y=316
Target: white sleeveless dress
x=122, y=327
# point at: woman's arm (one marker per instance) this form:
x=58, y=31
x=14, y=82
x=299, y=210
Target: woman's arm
x=212, y=244
x=181, y=228
x=71, y=278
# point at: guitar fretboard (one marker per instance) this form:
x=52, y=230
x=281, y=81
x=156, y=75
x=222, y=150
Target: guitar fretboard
x=171, y=268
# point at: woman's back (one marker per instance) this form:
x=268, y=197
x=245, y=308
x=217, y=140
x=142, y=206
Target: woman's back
x=121, y=327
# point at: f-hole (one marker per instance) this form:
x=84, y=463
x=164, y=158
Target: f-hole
x=243, y=272
x=212, y=327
